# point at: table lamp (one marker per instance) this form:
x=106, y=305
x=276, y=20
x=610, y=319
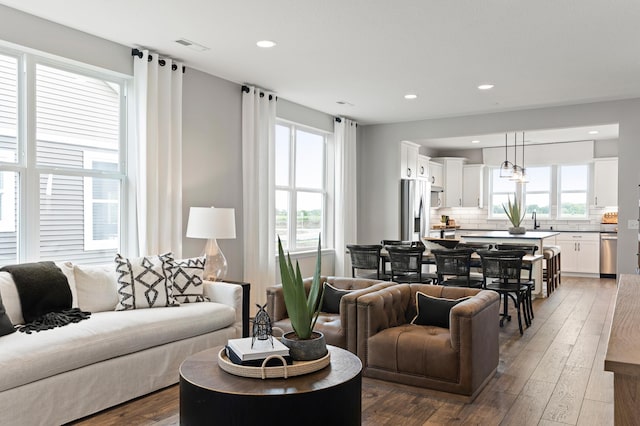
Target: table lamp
x=212, y=223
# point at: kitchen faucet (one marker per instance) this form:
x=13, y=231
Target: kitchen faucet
x=536, y=225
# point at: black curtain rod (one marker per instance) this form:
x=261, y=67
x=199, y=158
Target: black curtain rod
x=246, y=89
x=339, y=120
x=161, y=62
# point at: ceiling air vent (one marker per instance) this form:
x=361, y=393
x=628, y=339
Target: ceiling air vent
x=192, y=45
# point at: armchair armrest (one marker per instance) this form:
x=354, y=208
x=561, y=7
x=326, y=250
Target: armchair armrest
x=380, y=310
x=275, y=303
x=227, y=294
x=475, y=335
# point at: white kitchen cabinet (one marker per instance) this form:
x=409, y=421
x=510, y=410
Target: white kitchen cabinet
x=408, y=160
x=472, y=185
x=580, y=252
x=452, y=182
x=437, y=197
x=435, y=170
x=423, y=167
x=605, y=182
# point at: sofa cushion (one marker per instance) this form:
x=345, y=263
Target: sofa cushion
x=331, y=298
x=145, y=282
x=422, y=351
x=25, y=358
x=96, y=286
x=188, y=284
x=10, y=298
x=434, y=310
x=5, y=323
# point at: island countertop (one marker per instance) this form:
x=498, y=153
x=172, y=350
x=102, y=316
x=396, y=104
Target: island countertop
x=505, y=235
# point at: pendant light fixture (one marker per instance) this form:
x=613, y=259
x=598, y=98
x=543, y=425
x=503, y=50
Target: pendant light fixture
x=523, y=176
x=517, y=170
x=506, y=168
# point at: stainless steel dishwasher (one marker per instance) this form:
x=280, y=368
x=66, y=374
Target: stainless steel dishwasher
x=608, y=254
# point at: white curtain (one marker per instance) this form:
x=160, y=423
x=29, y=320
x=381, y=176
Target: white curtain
x=258, y=189
x=346, y=193
x=156, y=155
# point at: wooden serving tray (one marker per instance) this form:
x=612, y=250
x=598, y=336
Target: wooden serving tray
x=298, y=368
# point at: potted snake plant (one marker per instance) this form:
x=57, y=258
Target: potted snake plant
x=515, y=213
x=304, y=343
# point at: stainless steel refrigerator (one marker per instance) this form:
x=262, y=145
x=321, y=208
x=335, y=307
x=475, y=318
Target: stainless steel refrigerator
x=415, y=196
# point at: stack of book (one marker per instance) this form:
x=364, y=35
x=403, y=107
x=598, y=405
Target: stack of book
x=241, y=352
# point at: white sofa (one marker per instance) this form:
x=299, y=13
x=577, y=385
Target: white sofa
x=55, y=376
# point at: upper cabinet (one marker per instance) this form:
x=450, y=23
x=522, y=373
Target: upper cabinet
x=408, y=160
x=423, y=167
x=437, y=197
x=472, y=185
x=605, y=182
x=452, y=182
x=435, y=170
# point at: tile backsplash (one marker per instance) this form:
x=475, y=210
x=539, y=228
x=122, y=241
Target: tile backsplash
x=475, y=218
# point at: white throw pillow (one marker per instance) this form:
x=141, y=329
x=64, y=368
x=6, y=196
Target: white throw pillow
x=10, y=298
x=97, y=287
x=188, y=285
x=145, y=282
x=67, y=270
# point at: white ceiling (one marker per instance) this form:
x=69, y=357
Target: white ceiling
x=370, y=53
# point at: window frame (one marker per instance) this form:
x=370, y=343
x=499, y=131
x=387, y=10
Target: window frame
x=91, y=243
x=559, y=192
x=549, y=192
x=492, y=193
x=293, y=190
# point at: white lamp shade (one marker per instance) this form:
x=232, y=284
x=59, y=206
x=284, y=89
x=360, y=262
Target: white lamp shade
x=211, y=222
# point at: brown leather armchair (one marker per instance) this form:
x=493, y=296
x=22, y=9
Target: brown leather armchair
x=460, y=359
x=337, y=328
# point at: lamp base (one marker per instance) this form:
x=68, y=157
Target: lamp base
x=215, y=265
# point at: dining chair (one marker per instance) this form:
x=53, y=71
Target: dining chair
x=453, y=268
x=396, y=243
x=531, y=283
x=502, y=270
x=406, y=264
x=365, y=257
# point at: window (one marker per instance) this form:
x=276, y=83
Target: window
x=68, y=160
x=501, y=190
x=538, y=191
x=301, y=185
x=572, y=194
x=101, y=203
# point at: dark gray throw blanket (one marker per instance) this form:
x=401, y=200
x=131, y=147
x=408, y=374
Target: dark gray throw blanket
x=45, y=296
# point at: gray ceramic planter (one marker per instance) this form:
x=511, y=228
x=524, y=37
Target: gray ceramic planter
x=305, y=350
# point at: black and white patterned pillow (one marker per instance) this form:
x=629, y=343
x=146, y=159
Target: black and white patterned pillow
x=145, y=282
x=188, y=284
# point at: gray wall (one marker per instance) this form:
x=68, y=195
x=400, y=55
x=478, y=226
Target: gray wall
x=212, y=157
x=29, y=31
x=378, y=161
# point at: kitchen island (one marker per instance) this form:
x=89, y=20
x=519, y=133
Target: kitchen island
x=504, y=237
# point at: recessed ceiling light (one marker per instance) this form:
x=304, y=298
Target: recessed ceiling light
x=593, y=132
x=475, y=141
x=485, y=86
x=266, y=43
x=410, y=96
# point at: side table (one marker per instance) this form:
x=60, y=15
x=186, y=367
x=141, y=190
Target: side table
x=211, y=396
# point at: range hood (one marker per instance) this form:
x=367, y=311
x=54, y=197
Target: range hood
x=436, y=188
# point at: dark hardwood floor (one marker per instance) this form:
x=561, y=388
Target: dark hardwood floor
x=553, y=375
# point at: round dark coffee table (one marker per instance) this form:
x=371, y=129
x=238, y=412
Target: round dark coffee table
x=211, y=396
